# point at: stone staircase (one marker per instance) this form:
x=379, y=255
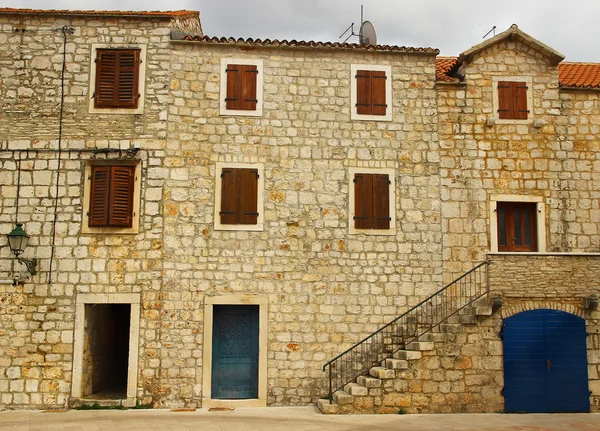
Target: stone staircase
x=389, y=388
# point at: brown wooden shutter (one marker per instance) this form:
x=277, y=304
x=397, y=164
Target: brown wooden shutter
x=248, y=196
x=233, y=99
x=363, y=92
x=99, y=196
x=363, y=201
x=381, y=202
x=378, y=84
x=106, y=71
x=520, y=92
x=117, y=78
x=127, y=83
x=249, y=78
x=121, y=196
x=229, y=196
x=505, y=100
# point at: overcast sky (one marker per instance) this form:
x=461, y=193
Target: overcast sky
x=570, y=27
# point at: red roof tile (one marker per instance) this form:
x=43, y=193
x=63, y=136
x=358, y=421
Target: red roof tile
x=308, y=44
x=579, y=75
x=113, y=13
x=442, y=66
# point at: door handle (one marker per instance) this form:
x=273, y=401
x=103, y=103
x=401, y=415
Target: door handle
x=549, y=364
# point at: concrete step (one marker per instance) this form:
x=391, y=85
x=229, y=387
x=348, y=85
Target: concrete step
x=382, y=373
x=368, y=382
x=483, y=310
x=396, y=364
x=439, y=337
x=408, y=355
x=328, y=408
x=355, y=389
x=419, y=345
x=452, y=328
x=427, y=337
x=342, y=397
x=463, y=320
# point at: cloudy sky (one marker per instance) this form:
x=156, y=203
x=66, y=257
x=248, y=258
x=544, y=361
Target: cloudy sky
x=453, y=26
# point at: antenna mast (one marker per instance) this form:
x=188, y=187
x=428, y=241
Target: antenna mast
x=492, y=30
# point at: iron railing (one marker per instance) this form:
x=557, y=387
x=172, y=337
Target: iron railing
x=406, y=328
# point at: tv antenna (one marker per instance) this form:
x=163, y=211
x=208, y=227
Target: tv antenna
x=366, y=34
x=492, y=30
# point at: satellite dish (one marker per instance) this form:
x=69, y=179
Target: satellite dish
x=367, y=34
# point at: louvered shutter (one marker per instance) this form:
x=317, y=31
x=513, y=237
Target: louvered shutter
x=99, y=196
x=127, y=83
x=378, y=84
x=520, y=92
x=363, y=201
x=233, y=99
x=117, y=78
x=505, y=100
x=363, y=92
x=229, y=200
x=249, y=78
x=121, y=196
x=106, y=72
x=248, y=196
x=381, y=202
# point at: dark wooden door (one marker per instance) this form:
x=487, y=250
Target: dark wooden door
x=235, y=352
x=517, y=226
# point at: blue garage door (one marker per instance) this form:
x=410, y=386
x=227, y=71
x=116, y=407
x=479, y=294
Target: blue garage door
x=545, y=363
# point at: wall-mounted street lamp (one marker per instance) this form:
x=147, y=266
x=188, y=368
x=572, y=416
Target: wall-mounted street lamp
x=17, y=241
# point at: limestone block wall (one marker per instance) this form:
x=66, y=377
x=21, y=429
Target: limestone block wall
x=326, y=288
x=556, y=162
x=558, y=282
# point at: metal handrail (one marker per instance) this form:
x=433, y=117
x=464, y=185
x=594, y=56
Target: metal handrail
x=406, y=328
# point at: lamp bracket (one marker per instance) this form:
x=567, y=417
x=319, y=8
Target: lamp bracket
x=31, y=264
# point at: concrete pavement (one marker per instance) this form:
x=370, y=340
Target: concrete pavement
x=287, y=419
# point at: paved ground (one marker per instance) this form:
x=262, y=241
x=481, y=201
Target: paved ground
x=287, y=419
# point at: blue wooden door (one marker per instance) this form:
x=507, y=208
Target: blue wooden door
x=235, y=352
x=545, y=363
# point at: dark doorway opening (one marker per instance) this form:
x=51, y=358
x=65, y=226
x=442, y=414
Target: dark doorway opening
x=106, y=350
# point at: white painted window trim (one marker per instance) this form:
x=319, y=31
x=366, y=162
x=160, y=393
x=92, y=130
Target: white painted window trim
x=134, y=334
x=137, y=185
x=388, y=92
x=260, y=220
x=392, y=197
x=496, y=103
x=141, y=79
x=259, y=88
x=541, y=219
x=263, y=317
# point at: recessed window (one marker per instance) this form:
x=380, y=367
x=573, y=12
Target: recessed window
x=371, y=92
x=517, y=226
x=241, y=87
x=111, y=198
x=117, y=77
x=238, y=197
x=372, y=200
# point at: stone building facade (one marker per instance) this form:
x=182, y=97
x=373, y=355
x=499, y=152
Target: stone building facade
x=137, y=312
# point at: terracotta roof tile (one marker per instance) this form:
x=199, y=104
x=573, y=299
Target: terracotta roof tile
x=308, y=44
x=113, y=13
x=579, y=75
x=442, y=66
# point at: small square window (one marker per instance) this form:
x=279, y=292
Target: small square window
x=372, y=199
x=517, y=223
x=238, y=197
x=241, y=87
x=371, y=92
x=117, y=76
x=111, y=198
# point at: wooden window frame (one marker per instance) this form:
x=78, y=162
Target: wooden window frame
x=356, y=72
x=497, y=82
x=107, y=228
x=248, y=108
x=391, y=174
x=540, y=222
x=512, y=237
x=219, y=223
x=93, y=108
